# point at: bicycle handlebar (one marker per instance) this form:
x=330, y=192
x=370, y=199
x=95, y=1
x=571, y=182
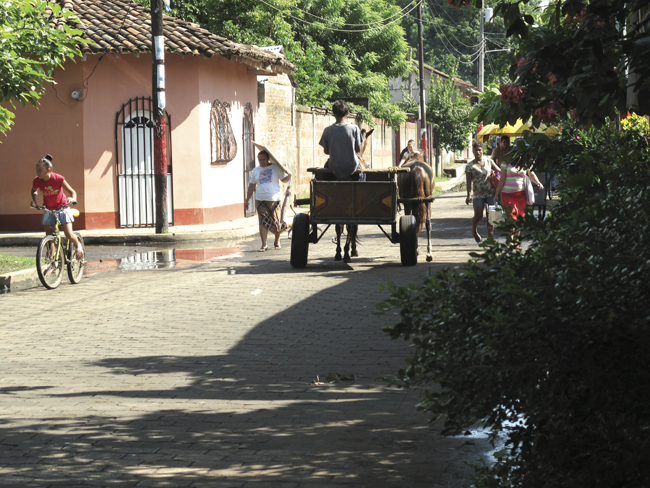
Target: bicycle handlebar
x=67, y=205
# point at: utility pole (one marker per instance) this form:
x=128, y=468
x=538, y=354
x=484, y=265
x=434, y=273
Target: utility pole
x=486, y=16
x=481, y=57
x=423, y=113
x=160, y=116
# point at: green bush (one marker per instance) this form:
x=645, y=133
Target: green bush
x=549, y=348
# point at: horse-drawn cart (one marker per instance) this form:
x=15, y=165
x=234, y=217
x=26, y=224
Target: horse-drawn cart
x=374, y=201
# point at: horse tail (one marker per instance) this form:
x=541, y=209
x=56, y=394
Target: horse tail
x=420, y=184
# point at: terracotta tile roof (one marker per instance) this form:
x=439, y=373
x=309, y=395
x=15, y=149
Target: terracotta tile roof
x=121, y=26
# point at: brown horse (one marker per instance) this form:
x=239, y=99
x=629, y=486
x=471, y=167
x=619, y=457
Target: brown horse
x=418, y=183
x=352, y=240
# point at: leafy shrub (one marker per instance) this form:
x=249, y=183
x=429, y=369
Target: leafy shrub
x=549, y=348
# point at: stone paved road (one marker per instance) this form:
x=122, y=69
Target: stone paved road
x=201, y=376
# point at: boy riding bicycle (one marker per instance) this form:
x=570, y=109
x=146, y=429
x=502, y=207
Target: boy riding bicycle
x=52, y=185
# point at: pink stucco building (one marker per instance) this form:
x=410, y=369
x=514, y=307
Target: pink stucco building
x=101, y=139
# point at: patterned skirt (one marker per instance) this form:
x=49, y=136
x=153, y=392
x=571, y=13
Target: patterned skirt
x=268, y=214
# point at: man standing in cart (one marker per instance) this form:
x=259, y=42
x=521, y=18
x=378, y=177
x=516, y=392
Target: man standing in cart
x=342, y=143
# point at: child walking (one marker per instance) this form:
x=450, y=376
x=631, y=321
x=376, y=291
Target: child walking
x=52, y=185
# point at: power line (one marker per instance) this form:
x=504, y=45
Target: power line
x=443, y=12
x=352, y=25
x=342, y=30
x=444, y=38
x=436, y=24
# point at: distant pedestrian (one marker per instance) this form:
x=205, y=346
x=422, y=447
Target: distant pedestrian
x=407, y=153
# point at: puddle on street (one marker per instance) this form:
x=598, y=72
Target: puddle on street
x=165, y=259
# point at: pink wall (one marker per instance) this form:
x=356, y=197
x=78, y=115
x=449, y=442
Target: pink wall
x=81, y=137
x=223, y=184
x=55, y=127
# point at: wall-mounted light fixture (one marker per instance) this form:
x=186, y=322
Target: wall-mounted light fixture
x=76, y=94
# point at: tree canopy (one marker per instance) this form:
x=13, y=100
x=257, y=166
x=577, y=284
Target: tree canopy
x=342, y=48
x=450, y=114
x=35, y=39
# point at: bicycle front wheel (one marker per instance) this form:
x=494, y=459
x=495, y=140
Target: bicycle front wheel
x=49, y=262
x=76, y=266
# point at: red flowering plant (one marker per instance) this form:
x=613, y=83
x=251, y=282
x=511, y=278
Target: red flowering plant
x=574, y=58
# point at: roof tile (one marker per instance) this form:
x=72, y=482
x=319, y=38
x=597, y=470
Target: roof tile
x=124, y=26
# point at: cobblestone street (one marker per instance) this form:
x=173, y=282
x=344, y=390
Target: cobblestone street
x=202, y=376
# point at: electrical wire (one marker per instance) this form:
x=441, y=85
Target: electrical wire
x=346, y=24
x=444, y=38
x=436, y=24
x=438, y=15
x=84, y=84
x=343, y=30
x=442, y=34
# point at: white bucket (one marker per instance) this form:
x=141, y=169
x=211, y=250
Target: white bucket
x=495, y=214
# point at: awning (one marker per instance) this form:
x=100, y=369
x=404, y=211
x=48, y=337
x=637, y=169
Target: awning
x=514, y=131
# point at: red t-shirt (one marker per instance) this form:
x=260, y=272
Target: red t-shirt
x=52, y=189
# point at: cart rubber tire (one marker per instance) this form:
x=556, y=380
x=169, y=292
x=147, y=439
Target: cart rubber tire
x=408, y=240
x=300, y=240
x=75, y=266
x=50, y=270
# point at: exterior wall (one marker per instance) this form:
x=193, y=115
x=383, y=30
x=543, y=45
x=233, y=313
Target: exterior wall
x=276, y=127
x=55, y=127
x=81, y=137
x=113, y=82
x=222, y=185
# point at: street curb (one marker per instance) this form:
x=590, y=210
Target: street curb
x=17, y=280
x=172, y=237
x=192, y=236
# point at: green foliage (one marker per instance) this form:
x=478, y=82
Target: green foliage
x=409, y=104
x=573, y=60
x=30, y=50
x=335, y=54
x=549, y=348
x=450, y=115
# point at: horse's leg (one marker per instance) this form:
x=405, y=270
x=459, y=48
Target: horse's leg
x=354, y=229
x=339, y=229
x=429, y=253
x=346, y=249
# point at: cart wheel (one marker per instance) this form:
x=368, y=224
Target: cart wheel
x=408, y=240
x=300, y=241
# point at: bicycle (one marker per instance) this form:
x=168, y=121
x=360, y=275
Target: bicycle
x=55, y=251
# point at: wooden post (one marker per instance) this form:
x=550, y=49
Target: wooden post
x=423, y=113
x=160, y=116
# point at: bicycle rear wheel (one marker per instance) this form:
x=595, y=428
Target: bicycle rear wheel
x=49, y=265
x=76, y=266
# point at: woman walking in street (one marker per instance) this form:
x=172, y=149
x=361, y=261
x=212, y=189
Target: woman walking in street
x=265, y=185
x=480, y=190
x=512, y=187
